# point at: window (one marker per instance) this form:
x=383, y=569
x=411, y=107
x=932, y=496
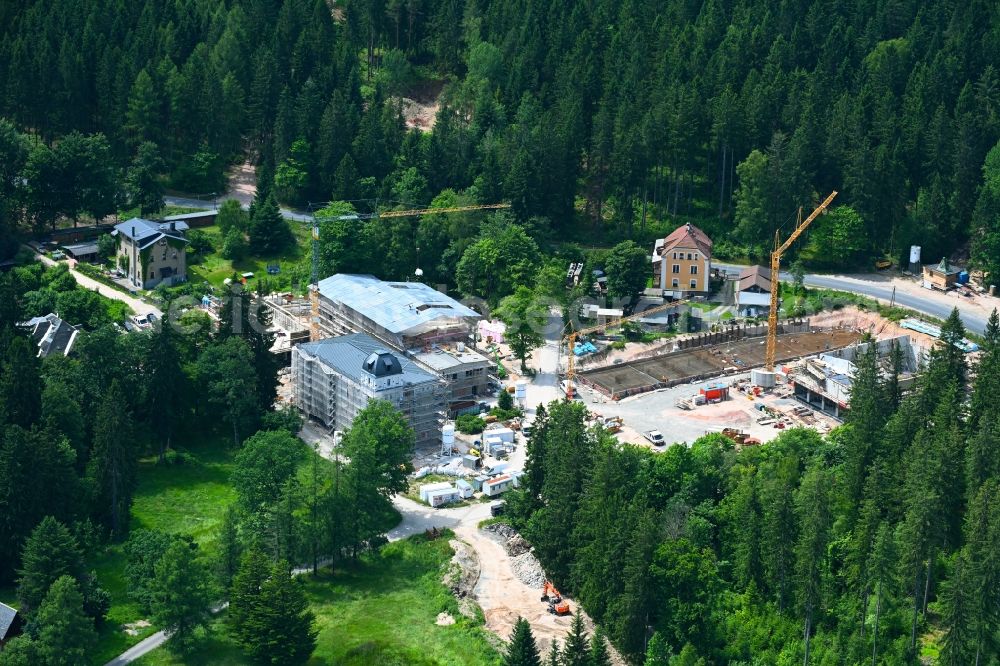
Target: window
x=675, y=255
x=694, y=284
x=694, y=269
x=676, y=283
x=689, y=256
x=677, y=268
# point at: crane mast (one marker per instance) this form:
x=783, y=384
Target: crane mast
x=571, y=337
x=772, y=318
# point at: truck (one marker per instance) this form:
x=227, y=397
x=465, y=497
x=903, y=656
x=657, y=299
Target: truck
x=655, y=437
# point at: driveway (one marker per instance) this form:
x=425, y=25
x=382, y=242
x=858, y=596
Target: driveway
x=138, y=306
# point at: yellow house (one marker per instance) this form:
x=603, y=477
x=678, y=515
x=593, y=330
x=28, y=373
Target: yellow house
x=682, y=262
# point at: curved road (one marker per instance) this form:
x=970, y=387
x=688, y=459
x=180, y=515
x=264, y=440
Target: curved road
x=933, y=304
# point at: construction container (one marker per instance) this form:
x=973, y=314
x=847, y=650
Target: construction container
x=464, y=488
x=497, y=485
x=505, y=435
x=715, y=391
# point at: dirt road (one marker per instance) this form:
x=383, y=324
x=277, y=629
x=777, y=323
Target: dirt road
x=501, y=595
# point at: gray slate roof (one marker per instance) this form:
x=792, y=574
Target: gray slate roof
x=349, y=355
x=80, y=249
x=147, y=232
x=395, y=306
x=51, y=334
x=7, y=615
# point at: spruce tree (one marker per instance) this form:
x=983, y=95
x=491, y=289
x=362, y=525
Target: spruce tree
x=230, y=549
x=181, y=594
x=114, y=462
x=555, y=655
x=522, y=650
x=50, y=552
x=957, y=617
x=268, y=229
x=244, y=595
x=599, y=650
x=164, y=386
x=20, y=384
x=66, y=635
x=280, y=624
x=577, y=650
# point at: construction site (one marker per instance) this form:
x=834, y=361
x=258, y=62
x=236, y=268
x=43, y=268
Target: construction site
x=731, y=352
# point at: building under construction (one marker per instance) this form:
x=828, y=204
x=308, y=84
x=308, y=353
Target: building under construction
x=712, y=355
x=412, y=320
x=334, y=379
x=824, y=381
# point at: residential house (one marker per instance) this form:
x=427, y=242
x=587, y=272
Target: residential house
x=682, y=262
x=52, y=335
x=753, y=291
x=152, y=253
x=10, y=623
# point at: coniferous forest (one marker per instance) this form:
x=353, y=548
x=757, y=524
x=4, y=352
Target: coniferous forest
x=865, y=546
x=594, y=119
x=598, y=121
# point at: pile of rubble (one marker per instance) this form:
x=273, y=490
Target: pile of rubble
x=522, y=561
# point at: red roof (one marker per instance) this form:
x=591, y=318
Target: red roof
x=687, y=236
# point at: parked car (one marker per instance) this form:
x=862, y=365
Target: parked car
x=655, y=437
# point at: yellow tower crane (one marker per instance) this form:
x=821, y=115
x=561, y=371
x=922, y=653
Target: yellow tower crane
x=570, y=338
x=314, y=328
x=772, y=319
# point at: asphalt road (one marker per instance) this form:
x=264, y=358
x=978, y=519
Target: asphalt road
x=208, y=204
x=140, y=307
x=933, y=305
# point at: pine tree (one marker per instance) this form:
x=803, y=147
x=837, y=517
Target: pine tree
x=280, y=623
x=522, y=650
x=957, y=617
x=20, y=384
x=49, y=553
x=599, y=650
x=576, y=651
x=66, y=636
x=181, y=594
x=268, y=229
x=812, y=507
x=114, y=462
x=165, y=385
x=230, y=549
x=555, y=655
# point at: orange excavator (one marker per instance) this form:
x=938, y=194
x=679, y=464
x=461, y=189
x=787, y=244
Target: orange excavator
x=556, y=604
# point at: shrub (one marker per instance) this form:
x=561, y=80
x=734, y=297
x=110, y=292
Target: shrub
x=470, y=424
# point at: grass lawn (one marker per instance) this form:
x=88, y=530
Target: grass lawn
x=214, y=268
x=184, y=498
x=381, y=610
